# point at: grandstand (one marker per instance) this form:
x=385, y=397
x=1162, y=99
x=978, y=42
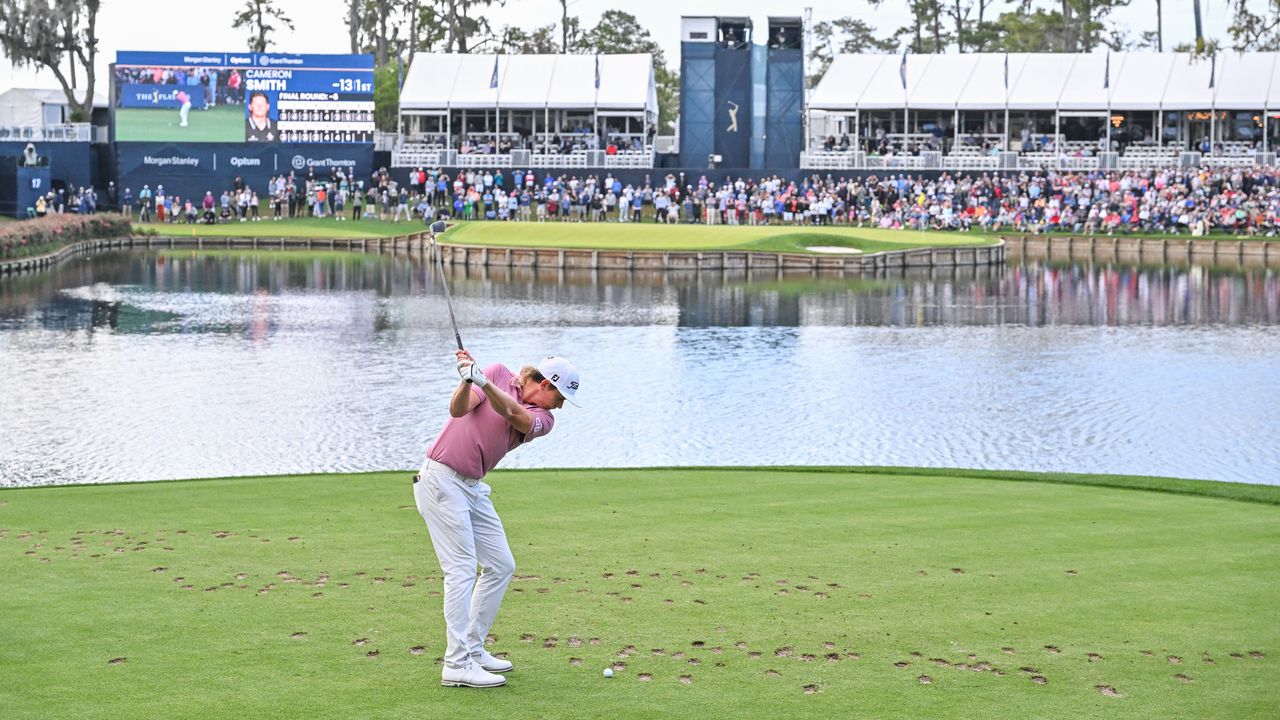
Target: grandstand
x=1069, y=111
x=541, y=111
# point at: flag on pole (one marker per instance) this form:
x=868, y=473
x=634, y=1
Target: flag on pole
x=1006, y=71
x=1213, y=67
x=902, y=70
x=597, y=71
x=493, y=81
x=1106, y=73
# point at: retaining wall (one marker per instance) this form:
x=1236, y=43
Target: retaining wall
x=482, y=256
x=1140, y=251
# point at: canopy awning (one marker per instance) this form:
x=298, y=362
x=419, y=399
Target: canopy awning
x=1051, y=81
x=448, y=81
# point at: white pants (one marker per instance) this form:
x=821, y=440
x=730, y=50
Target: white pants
x=182, y=112
x=466, y=533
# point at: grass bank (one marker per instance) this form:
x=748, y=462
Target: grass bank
x=717, y=593
x=595, y=236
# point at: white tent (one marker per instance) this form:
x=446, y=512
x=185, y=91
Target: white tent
x=1188, y=87
x=884, y=89
x=1240, y=78
x=939, y=88
x=1085, y=87
x=1050, y=81
x=1142, y=80
x=1039, y=82
x=37, y=107
x=846, y=79
x=439, y=82
x=429, y=82
x=986, y=87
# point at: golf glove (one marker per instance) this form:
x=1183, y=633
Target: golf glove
x=472, y=374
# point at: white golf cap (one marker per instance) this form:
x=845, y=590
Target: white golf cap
x=562, y=374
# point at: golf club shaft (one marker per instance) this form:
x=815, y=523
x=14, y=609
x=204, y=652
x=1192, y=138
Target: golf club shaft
x=447, y=299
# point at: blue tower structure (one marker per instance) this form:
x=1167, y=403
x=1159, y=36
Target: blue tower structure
x=741, y=105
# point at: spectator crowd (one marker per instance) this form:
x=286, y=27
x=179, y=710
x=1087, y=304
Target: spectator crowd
x=1184, y=201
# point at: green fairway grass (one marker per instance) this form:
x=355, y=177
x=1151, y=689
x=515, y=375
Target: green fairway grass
x=311, y=227
x=653, y=236
x=731, y=590
x=223, y=123
x=606, y=236
x=593, y=236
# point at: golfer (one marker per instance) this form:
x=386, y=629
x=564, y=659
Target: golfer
x=491, y=413
x=259, y=127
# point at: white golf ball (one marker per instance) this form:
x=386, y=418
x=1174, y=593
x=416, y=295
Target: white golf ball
x=608, y=672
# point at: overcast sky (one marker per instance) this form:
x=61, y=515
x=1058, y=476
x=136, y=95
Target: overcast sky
x=200, y=25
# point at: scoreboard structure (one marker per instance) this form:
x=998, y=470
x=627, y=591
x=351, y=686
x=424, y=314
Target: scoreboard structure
x=245, y=97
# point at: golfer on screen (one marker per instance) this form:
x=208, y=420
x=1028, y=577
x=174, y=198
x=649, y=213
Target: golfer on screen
x=490, y=414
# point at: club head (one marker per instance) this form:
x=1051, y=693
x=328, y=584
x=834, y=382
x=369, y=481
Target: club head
x=439, y=227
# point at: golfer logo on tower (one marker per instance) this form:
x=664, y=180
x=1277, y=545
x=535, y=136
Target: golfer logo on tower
x=492, y=412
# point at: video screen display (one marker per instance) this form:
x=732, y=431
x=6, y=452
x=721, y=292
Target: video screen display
x=243, y=97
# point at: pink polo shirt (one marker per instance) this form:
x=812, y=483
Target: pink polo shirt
x=474, y=443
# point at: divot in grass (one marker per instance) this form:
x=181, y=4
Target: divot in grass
x=1108, y=690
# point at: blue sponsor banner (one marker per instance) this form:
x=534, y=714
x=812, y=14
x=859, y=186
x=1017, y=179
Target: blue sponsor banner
x=244, y=60
x=190, y=170
x=163, y=96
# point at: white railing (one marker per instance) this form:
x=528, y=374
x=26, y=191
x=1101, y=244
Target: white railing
x=1141, y=158
x=1220, y=161
x=415, y=156
x=1073, y=162
x=971, y=162
x=553, y=160
x=826, y=160
x=630, y=159
x=69, y=132
x=477, y=160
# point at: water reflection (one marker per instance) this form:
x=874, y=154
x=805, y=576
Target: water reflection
x=1033, y=294
x=157, y=365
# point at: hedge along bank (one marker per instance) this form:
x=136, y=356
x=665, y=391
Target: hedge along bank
x=42, y=235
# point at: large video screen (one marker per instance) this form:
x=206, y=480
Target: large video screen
x=243, y=97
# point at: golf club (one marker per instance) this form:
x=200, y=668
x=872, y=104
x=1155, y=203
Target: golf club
x=437, y=227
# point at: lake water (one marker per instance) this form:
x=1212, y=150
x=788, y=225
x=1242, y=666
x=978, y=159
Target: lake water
x=156, y=365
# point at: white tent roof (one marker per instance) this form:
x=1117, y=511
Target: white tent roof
x=527, y=84
x=1240, y=78
x=575, y=83
x=1039, y=80
x=849, y=75
x=442, y=81
x=986, y=87
x=25, y=106
x=884, y=89
x=1188, y=87
x=471, y=86
x=624, y=78
x=1084, y=88
x=429, y=82
x=939, y=87
x=1141, y=82
x=1044, y=81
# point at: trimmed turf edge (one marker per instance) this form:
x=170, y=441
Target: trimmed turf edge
x=1223, y=490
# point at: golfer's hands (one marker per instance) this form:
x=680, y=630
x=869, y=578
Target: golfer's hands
x=468, y=371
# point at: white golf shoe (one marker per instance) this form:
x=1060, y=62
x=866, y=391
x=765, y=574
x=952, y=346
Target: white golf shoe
x=470, y=675
x=490, y=663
